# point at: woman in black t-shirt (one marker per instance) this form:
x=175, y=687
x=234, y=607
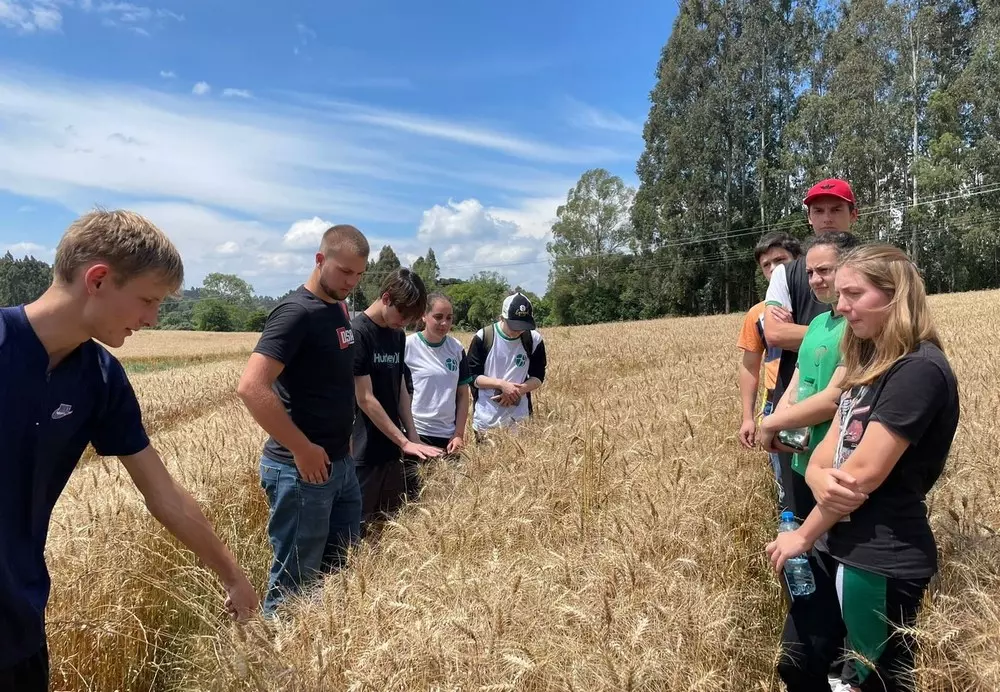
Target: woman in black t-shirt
x=870, y=475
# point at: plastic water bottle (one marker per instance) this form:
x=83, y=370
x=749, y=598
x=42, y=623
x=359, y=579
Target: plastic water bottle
x=797, y=570
x=798, y=438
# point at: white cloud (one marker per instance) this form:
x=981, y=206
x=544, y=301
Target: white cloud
x=130, y=13
x=588, y=117
x=33, y=16
x=231, y=180
x=40, y=16
x=19, y=250
x=168, y=74
x=47, y=18
x=534, y=217
x=468, y=238
x=473, y=135
x=237, y=93
x=306, y=234
x=465, y=219
x=305, y=33
x=201, y=88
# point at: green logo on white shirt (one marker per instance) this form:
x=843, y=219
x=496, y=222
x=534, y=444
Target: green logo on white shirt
x=451, y=364
x=520, y=360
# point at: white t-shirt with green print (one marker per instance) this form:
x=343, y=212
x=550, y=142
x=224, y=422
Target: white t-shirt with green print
x=435, y=371
x=506, y=360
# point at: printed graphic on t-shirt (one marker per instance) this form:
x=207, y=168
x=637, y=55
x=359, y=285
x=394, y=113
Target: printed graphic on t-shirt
x=345, y=335
x=853, y=421
x=384, y=358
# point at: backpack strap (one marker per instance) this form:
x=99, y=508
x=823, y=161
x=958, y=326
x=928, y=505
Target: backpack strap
x=489, y=334
x=528, y=343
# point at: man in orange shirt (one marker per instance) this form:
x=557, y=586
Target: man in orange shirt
x=773, y=250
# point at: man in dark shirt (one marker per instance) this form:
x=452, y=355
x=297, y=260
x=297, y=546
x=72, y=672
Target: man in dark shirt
x=59, y=391
x=299, y=386
x=387, y=457
x=791, y=306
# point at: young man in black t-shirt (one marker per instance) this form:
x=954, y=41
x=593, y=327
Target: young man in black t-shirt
x=383, y=401
x=791, y=306
x=299, y=386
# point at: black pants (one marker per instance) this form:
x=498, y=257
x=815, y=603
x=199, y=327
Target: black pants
x=863, y=607
x=441, y=443
x=30, y=675
x=385, y=486
x=798, y=497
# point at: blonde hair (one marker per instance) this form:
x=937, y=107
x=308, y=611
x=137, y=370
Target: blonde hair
x=130, y=244
x=908, y=322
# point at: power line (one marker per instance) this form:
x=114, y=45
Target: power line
x=722, y=255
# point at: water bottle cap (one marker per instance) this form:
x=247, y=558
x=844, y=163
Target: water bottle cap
x=787, y=516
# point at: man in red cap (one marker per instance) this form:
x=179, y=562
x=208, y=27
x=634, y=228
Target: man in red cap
x=791, y=306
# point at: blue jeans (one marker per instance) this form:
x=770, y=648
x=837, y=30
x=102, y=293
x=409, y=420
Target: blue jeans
x=775, y=461
x=310, y=526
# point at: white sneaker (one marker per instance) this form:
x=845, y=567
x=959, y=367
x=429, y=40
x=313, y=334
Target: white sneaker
x=838, y=685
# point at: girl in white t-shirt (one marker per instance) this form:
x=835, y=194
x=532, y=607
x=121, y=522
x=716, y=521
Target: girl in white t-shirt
x=438, y=373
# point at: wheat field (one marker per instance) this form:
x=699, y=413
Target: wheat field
x=616, y=543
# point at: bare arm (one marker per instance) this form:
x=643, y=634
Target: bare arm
x=818, y=408
x=749, y=382
x=373, y=409
x=530, y=385
x=406, y=412
x=174, y=507
x=484, y=382
x=256, y=390
x=784, y=335
x=463, y=400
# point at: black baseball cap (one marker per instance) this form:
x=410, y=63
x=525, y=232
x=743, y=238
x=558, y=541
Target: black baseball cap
x=517, y=311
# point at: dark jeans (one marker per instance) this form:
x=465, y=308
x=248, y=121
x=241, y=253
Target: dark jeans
x=30, y=675
x=310, y=526
x=857, y=605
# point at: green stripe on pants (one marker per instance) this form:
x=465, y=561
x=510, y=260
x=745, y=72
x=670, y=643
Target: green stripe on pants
x=862, y=605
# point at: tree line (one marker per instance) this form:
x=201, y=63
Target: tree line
x=754, y=101
x=227, y=303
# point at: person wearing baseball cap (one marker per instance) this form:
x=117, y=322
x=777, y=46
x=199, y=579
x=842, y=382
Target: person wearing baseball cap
x=791, y=306
x=507, y=362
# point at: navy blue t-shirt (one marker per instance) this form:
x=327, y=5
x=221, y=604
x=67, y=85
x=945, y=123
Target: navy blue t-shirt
x=46, y=421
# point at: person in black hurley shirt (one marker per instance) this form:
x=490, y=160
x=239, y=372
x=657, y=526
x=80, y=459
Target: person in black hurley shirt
x=299, y=386
x=59, y=391
x=790, y=306
x=870, y=475
x=387, y=457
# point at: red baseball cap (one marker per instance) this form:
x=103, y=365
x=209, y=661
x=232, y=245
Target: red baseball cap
x=831, y=187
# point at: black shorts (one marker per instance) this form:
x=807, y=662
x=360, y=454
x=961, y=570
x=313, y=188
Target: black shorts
x=29, y=675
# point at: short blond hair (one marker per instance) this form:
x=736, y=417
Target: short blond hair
x=129, y=243
x=344, y=237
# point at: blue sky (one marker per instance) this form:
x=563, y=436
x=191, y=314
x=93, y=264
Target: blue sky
x=244, y=129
